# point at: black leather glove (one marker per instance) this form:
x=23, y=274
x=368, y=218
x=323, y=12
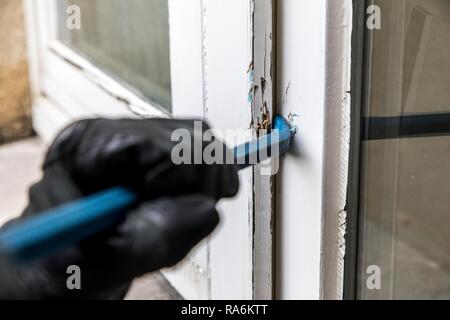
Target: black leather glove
x=176, y=211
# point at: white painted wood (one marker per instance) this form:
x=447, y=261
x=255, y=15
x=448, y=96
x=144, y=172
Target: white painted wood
x=192, y=277
x=92, y=88
x=263, y=109
x=186, y=57
x=313, y=80
x=227, y=60
x=48, y=119
x=336, y=146
x=230, y=254
x=301, y=90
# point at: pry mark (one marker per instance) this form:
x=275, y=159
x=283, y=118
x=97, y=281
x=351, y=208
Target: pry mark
x=263, y=86
x=286, y=94
x=251, y=83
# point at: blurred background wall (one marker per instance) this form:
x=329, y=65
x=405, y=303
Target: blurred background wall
x=15, y=115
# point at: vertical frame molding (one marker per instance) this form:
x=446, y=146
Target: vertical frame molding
x=336, y=146
x=262, y=91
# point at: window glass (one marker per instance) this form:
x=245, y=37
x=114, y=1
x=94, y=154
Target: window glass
x=128, y=39
x=405, y=180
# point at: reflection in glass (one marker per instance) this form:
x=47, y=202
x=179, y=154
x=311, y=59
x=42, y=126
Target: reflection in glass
x=405, y=187
x=128, y=39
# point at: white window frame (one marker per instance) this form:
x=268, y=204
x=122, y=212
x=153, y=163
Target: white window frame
x=212, y=69
x=313, y=87
x=52, y=61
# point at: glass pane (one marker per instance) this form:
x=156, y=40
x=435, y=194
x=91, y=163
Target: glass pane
x=405, y=187
x=128, y=39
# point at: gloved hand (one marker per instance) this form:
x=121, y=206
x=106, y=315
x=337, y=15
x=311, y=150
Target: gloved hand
x=176, y=211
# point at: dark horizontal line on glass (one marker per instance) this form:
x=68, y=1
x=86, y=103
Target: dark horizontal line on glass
x=407, y=126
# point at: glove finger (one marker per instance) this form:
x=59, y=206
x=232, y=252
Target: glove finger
x=177, y=224
x=55, y=189
x=158, y=234
x=215, y=181
x=102, y=153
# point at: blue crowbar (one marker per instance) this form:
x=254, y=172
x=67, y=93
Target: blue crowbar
x=61, y=227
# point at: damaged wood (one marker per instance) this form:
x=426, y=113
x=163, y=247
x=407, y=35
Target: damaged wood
x=261, y=88
x=261, y=97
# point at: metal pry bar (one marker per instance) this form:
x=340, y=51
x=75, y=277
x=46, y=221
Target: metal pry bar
x=69, y=224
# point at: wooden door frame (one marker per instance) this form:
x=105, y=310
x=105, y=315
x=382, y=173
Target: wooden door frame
x=313, y=89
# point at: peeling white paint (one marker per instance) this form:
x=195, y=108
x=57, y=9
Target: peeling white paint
x=262, y=106
x=337, y=146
